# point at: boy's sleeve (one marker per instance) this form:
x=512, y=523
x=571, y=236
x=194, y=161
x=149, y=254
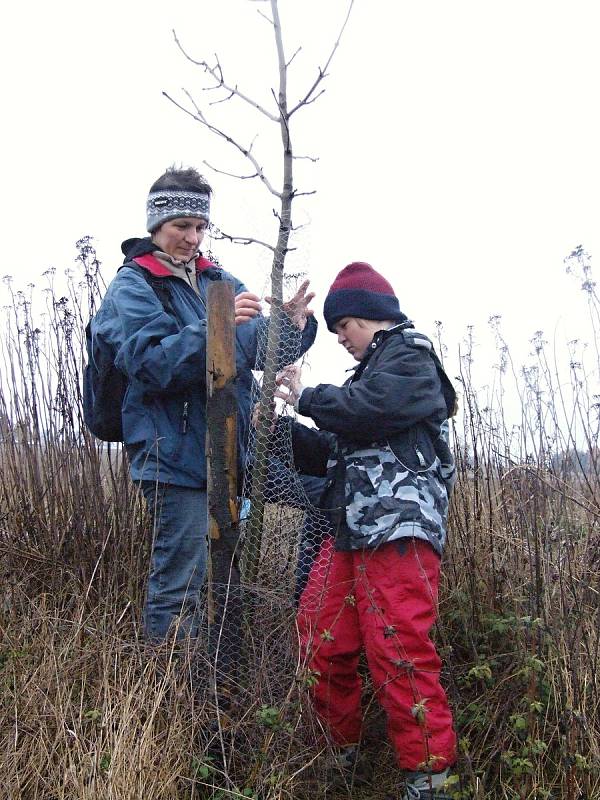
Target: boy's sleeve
x=311, y=448
x=404, y=388
x=307, y=339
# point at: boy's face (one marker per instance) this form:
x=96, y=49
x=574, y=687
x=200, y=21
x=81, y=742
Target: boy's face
x=181, y=238
x=356, y=334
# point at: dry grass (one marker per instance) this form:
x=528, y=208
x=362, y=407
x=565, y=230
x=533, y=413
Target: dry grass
x=88, y=711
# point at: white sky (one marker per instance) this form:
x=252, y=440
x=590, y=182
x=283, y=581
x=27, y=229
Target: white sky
x=458, y=144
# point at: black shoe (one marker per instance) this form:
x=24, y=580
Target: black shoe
x=348, y=767
x=425, y=786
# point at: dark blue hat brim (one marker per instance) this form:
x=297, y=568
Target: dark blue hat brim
x=362, y=304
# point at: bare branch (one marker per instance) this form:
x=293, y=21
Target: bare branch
x=222, y=100
x=181, y=107
x=231, y=174
x=262, y=14
x=216, y=74
x=306, y=100
x=283, y=120
x=304, y=194
x=199, y=117
x=293, y=57
x=245, y=240
x=312, y=99
x=219, y=68
x=306, y=158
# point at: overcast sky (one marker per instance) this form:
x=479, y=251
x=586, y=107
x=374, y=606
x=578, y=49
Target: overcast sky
x=457, y=144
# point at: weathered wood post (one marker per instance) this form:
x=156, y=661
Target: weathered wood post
x=224, y=598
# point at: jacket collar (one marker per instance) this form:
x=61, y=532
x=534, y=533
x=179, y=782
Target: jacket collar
x=378, y=339
x=401, y=326
x=140, y=251
x=382, y=335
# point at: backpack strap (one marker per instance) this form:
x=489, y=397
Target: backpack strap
x=213, y=273
x=415, y=339
x=420, y=340
x=159, y=286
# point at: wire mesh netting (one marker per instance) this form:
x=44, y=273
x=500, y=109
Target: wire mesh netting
x=288, y=525
x=281, y=529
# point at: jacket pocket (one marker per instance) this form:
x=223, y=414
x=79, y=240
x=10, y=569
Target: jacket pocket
x=171, y=424
x=447, y=467
x=413, y=449
x=381, y=494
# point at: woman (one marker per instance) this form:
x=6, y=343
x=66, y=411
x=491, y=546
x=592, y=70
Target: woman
x=153, y=316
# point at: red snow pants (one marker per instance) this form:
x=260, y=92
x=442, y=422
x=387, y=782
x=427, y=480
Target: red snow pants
x=385, y=602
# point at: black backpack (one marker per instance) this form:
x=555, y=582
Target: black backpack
x=104, y=385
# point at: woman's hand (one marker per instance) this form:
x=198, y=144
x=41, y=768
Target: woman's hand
x=297, y=306
x=289, y=381
x=247, y=306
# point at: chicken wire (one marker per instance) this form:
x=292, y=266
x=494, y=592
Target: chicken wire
x=292, y=525
x=294, y=537
x=283, y=542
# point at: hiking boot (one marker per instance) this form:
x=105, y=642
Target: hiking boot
x=425, y=786
x=349, y=767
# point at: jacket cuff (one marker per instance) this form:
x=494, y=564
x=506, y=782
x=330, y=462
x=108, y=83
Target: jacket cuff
x=310, y=331
x=302, y=406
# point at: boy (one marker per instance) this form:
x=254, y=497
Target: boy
x=374, y=584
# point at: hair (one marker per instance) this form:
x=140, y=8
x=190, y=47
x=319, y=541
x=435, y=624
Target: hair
x=186, y=178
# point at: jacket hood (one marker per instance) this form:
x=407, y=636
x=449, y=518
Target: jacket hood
x=132, y=248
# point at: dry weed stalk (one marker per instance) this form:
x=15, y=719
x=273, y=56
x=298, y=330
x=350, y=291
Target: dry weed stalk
x=87, y=710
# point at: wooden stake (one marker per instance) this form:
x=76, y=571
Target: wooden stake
x=221, y=457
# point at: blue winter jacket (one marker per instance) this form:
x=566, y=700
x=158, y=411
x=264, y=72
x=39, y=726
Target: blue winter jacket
x=163, y=353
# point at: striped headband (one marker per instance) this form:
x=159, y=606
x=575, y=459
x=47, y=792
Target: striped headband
x=169, y=204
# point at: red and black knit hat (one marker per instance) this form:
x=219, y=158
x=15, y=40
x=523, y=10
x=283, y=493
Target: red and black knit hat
x=360, y=291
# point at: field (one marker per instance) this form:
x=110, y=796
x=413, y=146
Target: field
x=88, y=710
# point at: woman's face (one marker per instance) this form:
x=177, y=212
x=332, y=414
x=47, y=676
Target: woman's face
x=356, y=334
x=180, y=238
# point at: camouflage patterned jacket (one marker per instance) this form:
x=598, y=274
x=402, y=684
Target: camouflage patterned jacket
x=382, y=443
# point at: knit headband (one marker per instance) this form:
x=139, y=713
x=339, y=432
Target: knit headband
x=169, y=204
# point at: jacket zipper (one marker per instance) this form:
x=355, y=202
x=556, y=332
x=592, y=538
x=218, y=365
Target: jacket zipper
x=199, y=295
x=420, y=456
x=184, y=418
x=413, y=441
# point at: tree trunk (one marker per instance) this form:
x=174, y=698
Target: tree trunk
x=261, y=445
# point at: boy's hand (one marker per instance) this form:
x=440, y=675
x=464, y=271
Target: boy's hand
x=297, y=306
x=259, y=413
x=247, y=306
x=289, y=380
